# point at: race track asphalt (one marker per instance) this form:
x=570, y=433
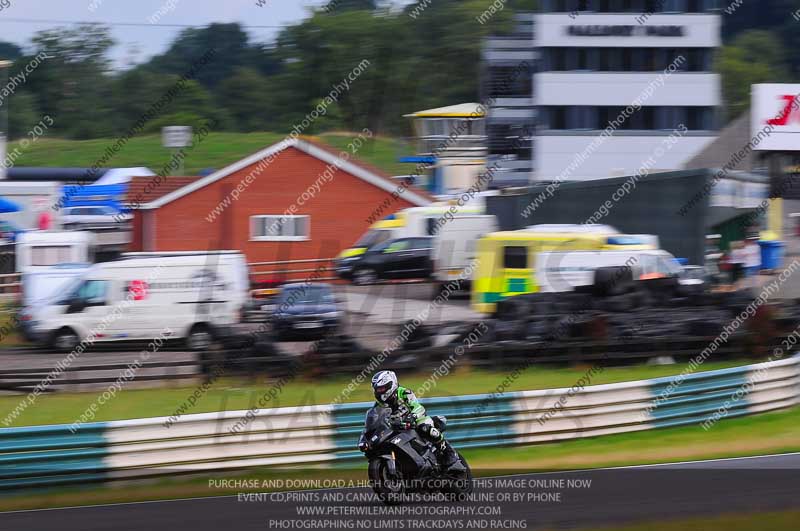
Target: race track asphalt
x=556, y=500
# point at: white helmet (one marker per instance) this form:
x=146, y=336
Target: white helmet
x=384, y=384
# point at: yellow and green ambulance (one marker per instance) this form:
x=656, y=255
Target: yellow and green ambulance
x=506, y=261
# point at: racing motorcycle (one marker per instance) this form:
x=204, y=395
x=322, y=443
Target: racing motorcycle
x=401, y=461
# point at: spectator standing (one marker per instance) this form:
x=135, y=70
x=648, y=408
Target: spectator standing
x=737, y=261
x=44, y=220
x=713, y=257
x=752, y=262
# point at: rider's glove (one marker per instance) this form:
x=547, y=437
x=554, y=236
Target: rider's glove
x=363, y=445
x=402, y=424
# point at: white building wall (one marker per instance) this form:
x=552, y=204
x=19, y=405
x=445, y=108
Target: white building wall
x=603, y=88
x=32, y=198
x=699, y=30
x=629, y=151
x=616, y=156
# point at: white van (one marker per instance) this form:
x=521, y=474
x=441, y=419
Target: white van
x=182, y=295
x=565, y=270
x=40, y=283
x=454, y=245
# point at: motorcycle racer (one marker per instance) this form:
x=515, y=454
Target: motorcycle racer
x=404, y=405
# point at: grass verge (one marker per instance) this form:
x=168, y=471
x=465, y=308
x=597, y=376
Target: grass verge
x=768, y=433
x=772, y=521
x=9, y=334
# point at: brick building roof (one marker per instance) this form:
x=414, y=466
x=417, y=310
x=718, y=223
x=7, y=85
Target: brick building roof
x=146, y=189
x=368, y=167
x=362, y=170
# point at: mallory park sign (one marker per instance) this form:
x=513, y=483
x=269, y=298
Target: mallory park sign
x=625, y=31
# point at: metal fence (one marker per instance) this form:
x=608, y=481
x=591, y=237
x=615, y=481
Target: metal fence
x=266, y=277
x=277, y=272
x=257, y=360
x=87, y=374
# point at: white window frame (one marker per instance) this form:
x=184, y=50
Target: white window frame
x=279, y=238
x=49, y=255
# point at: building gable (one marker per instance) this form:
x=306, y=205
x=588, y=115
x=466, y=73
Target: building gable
x=264, y=158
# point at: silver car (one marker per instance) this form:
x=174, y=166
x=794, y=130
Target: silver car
x=92, y=216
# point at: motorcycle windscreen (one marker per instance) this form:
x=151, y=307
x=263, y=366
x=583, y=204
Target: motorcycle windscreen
x=376, y=418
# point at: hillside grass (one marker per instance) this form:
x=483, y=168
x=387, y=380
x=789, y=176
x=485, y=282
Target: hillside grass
x=215, y=151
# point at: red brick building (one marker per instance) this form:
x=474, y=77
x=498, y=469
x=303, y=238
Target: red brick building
x=293, y=200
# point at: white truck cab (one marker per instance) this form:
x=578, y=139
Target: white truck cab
x=49, y=260
x=45, y=248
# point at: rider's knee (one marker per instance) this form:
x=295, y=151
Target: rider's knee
x=431, y=432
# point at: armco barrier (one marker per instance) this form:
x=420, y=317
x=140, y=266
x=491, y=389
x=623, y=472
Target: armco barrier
x=304, y=435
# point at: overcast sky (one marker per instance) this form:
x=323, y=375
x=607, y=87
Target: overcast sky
x=144, y=40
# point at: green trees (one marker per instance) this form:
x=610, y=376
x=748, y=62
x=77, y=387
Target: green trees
x=407, y=63
x=247, y=97
x=72, y=83
x=344, y=5
x=760, y=40
x=755, y=56
x=22, y=114
x=229, y=41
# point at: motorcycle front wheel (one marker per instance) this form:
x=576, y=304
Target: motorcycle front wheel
x=389, y=489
